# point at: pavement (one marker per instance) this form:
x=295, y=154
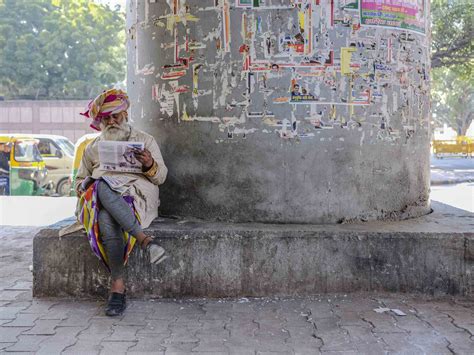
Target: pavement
x=457, y=195
x=35, y=210
x=451, y=170
x=325, y=324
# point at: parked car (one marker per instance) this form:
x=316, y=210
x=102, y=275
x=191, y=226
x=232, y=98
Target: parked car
x=22, y=169
x=58, y=154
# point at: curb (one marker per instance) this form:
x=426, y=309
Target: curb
x=451, y=182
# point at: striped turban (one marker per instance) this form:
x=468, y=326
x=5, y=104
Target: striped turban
x=109, y=102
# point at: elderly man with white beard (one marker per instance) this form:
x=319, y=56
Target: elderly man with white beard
x=114, y=221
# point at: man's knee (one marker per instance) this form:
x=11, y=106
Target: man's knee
x=103, y=190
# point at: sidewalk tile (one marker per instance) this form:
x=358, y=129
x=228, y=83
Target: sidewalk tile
x=21, y=286
x=180, y=335
x=8, y=312
x=39, y=306
x=240, y=350
x=179, y=348
x=460, y=342
x=14, y=295
x=44, y=327
x=149, y=344
x=97, y=330
x=211, y=347
x=64, y=337
x=5, y=345
x=10, y=334
x=28, y=343
x=336, y=340
x=124, y=333
x=154, y=327
x=116, y=347
x=133, y=319
x=23, y=320
x=86, y=347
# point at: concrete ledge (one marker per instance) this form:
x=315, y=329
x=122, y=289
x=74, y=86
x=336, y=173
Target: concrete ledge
x=433, y=255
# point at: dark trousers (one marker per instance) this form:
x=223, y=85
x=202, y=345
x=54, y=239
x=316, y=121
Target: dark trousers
x=115, y=215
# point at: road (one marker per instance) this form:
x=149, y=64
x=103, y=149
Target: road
x=452, y=164
x=451, y=170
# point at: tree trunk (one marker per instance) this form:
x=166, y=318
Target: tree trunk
x=463, y=122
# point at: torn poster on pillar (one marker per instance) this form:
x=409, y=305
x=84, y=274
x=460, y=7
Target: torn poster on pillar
x=401, y=14
x=293, y=67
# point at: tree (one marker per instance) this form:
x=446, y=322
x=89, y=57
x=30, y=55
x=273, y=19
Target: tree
x=452, y=33
x=453, y=99
x=452, y=63
x=57, y=49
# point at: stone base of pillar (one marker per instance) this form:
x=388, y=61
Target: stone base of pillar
x=433, y=254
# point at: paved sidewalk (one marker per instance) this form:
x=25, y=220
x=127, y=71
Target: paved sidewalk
x=329, y=324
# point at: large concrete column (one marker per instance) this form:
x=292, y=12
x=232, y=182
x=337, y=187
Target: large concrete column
x=309, y=111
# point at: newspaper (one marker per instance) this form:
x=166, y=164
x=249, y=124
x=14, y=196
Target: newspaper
x=118, y=183
x=119, y=156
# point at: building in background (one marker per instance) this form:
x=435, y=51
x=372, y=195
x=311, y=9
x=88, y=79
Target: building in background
x=59, y=117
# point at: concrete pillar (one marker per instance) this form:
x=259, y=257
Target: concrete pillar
x=307, y=111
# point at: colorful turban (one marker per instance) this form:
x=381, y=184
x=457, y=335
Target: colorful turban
x=109, y=102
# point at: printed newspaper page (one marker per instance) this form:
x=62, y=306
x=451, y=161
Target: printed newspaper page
x=119, y=156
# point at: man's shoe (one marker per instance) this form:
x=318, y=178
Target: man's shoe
x=157, y=253
x=116, y=305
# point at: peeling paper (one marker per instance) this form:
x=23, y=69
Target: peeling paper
x=339, y=74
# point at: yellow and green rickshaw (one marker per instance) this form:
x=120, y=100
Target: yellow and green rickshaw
x=22, y=169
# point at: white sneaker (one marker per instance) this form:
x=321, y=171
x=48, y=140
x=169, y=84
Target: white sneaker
x=157, y=253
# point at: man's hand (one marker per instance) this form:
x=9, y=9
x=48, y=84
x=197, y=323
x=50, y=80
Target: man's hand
x=79, y=191
x=144, y=157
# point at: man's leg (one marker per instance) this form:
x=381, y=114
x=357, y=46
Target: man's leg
x=112, y=239
x=114, y=203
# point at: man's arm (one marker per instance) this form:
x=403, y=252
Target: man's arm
x=158, y=171
x=85, y=169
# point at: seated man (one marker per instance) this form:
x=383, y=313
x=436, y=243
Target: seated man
x=120, y=218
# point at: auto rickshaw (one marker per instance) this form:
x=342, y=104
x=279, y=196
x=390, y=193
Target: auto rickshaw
x=22, y=170
x=79, y=149
x=57, y=153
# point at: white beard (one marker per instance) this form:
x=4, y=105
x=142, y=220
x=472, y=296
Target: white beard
x=116, y=133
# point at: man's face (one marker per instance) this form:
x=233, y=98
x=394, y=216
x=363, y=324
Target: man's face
x=115, y=119
x=115, y=127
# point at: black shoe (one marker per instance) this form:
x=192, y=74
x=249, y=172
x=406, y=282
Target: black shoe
x=117, y=304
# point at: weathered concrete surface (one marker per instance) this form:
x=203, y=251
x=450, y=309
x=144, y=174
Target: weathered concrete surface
x=433, y=254
x=324, y=324
x=254, y=129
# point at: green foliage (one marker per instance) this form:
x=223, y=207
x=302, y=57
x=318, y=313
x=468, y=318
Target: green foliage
x=453, y=99
x=57, y=49
x=452, y=33
x=452, y=63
